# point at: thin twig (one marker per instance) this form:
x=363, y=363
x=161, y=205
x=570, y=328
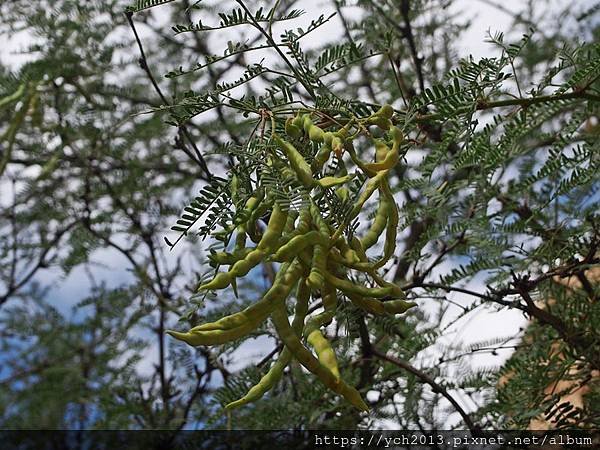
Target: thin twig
x=182, y=128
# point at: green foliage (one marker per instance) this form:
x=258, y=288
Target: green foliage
x=498, y=195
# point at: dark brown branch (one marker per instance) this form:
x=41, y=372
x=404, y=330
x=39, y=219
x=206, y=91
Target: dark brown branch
x=437, y=388
x=182, y=128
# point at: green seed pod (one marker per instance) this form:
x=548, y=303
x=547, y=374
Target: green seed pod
x=381, y=217
x=321, y=157
x=389, y=248
x=319, y=261
x=315, y=338
x=297, y=244
x=368, y=304
x=385, y=111
x=327, y=182
x=297, y=162
x=291, y=129
x=228, y=259
x=397, y=306
x=337, y=145
x=316, y=134
x=298, y=120
x=275, y=373
x=348, y=287
x=259, y=311
x=380, y=121
x=302, y=354
x=371, y=186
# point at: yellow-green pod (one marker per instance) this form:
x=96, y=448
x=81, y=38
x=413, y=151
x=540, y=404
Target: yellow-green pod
x=389, y=247
x=316, y=134
x=380, y=121
x=292, y=129
x=379, y=222
x=337, y=145
x=275, y=373
x=397, y=306
x=297, y=162
x=220, y=281
x=315, y=338
x=257, y=312
x=297, y=244
x=322, y=156
x=274, y=229
x=319, y=261
x=368, y=304
x=327, y=182
x=229, y=258
x=371, y=186
x=346, y=251
x=356, y=245
x=388, y=162
x=385, y=111
x=348, y=287
x=306, y=358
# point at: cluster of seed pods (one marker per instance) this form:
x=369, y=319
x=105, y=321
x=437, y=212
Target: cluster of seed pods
x=315, y=259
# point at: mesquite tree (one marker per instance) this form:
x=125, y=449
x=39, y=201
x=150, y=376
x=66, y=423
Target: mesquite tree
x=352, y=194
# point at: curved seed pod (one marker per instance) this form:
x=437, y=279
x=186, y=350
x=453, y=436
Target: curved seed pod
x=297, y=244
x=234, y=186
x=244, y=322
x=356, y=245
x=381, y=150
x=315, y=338
x=275, y=373
x=385, y=111
x=212, y=337
x=257, y=213
x=220, y=281
x=243, y=266
x=274, y=229
x=348, y=287
x=319, y=261
x=391, y=159
x=315, y=133
x=306, y=358
x=397, y=291
x=337, y=145
x=240, y=240
x=292, y=129
x=368, y=304
x=297, y=162
x=397, y=306
x=304, y=221
x=381, y=217
x=392, y=156
x=346, y=251
x=245, y=215
x=327, y=182
x=371, y=186
x=322, y=155
x=298, y=120
x=382, y=122
x=389, y=248
x=229, y=258
x=290, y=221
x=251, y=204
x=252, y=259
